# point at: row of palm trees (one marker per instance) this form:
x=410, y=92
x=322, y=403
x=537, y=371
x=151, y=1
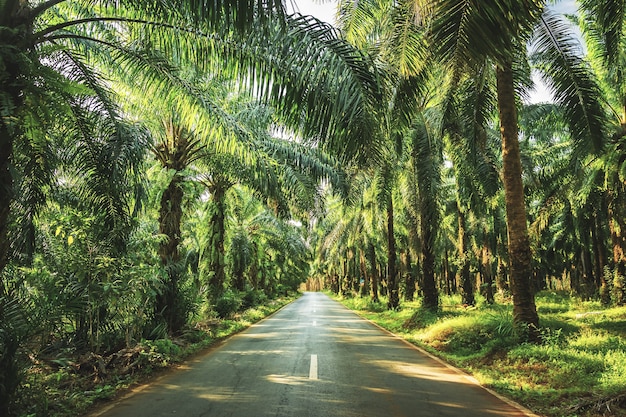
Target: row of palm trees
x=455, y=74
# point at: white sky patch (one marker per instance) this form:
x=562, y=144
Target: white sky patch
x=541, y=94
x=324, y=10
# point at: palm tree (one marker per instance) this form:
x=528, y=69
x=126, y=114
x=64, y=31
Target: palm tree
x=388, y=176
x=176, y=152
x=393, y=34
x=466, y=33
x=476, y=178
x=426, y=165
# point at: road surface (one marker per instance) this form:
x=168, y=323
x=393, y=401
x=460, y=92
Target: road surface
x=314, y=358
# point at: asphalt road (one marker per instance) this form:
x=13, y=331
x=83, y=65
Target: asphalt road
x=313, y=358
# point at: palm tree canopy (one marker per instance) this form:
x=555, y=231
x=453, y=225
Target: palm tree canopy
x=466, y=32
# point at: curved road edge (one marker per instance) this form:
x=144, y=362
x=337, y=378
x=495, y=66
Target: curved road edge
x=131, y=391
x=518, y=406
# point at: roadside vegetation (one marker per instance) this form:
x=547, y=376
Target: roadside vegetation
x=577, y=368
x=66, y=383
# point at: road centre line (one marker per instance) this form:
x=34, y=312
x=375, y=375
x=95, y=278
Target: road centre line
x=313, y=367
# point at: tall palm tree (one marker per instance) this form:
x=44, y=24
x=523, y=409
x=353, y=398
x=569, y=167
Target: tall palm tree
x=464, y=33
x=176, y=152
x=426, y=165
x=393, y=34
x=476, y=178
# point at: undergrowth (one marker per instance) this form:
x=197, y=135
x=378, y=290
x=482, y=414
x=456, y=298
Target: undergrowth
x=578, y=369
x=67, y=384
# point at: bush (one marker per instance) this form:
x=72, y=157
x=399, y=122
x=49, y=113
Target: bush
x=252, y=298
x=228, y=304
x=375, y=306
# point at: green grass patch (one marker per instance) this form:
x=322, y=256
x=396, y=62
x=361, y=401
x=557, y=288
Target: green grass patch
x=578, y=369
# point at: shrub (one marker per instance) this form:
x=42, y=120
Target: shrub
x=375, y=306
x=228, y=304
x=253, y=298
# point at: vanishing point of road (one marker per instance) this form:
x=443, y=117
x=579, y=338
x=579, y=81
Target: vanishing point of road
x=313, y=358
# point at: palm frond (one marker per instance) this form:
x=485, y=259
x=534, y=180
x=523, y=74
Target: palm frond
x=608, y=16
x=321, y=86
x=406, y=47
x=466, y=32
x=557, y=55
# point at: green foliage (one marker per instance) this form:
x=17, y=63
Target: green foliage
x=103, y=300
x=228, y=304
x=162, y=351
x=619, y=289
x=14, y=328
x=252, y=298
x=473, y=335
x=376, y=306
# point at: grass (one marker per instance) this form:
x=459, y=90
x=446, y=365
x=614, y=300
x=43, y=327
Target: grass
x=578, y=370
x=70, y=386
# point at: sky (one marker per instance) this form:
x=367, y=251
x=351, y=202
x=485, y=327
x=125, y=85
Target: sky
x=325, y=10
x=322, y=9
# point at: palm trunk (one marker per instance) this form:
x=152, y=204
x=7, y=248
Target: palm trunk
x=617, y=228
x=431, y=295
x=524, y=309
x=335, y=283
x=215, y=249
x=599, y=252
x=352, y=271
x=239, y=278
x=12, y=85
x=6, y=193
x=365, y=288
x=254, y=267
x=392, y=270
x=373, y=267
x=425, y=160
x=487, y=273
x=168, y=303
x=409, y=293
x=467, y=286
x=427, y=229
x=447, y=276
x=345, y=285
